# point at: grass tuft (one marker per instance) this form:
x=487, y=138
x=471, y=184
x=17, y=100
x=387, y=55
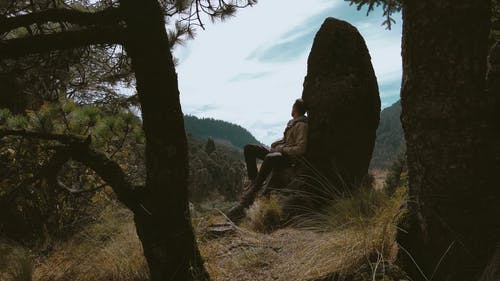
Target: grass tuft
x=264, y=215
x=106, y=250
x=16, y=264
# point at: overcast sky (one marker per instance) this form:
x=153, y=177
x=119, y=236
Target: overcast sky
x=249, y=69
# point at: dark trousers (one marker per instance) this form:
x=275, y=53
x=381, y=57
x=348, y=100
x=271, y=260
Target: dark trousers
x=271, y=161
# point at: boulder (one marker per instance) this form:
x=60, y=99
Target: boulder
x=342, y=98
x=343, y=103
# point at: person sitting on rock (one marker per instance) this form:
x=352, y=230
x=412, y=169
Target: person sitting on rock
x=293, y=144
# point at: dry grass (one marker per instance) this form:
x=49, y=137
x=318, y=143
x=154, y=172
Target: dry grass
x=264, y=215
x=379, y=177
x=107, y=250
x=16, y=264
x=347, y=235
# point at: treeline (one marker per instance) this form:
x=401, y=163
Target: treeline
x=218, y=130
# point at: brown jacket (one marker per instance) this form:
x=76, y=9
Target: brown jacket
x=294, y=142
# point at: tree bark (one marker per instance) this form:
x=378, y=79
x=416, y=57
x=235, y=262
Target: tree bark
x=165, y=230
x=451, y=129
x=161, y=210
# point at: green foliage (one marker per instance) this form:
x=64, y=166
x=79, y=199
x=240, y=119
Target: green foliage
x=17, y=122
x=5, y=114
x=389, y=7
x=210, y=146
x=186, y=16
x=219, y=130
x=219, y=173
x=47, y=207
x=397, y=176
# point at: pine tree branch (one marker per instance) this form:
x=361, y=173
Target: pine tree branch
x=62, y=138
x=14, y=48
x=78, y=148
x=105, y=17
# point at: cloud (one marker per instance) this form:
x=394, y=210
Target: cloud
x=284, y=51
x=200, y=110
x=249, y=69
x=295, y=42
x=249, y=76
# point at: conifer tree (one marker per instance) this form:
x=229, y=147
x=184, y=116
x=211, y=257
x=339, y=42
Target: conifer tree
x=160, y=207
x=210, y=146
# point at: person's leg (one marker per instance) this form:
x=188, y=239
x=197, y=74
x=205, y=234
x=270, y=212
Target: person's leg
x=272, y=161
x=252, y=152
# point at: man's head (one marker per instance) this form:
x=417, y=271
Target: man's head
x=299, y=108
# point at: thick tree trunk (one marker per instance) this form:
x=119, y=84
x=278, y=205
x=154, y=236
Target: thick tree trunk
x=451, y=134
x=164, y=228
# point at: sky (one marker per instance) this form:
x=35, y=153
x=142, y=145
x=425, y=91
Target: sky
x=249, y=69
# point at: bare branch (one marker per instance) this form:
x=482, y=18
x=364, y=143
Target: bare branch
x=107, y=16
x=75, y=190
x=65, y=40
x=109, y=171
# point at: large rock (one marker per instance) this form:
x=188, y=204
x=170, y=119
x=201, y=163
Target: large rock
x=342, y=97
x=341, y=93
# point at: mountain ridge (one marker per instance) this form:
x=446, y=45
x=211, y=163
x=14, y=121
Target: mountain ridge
x=390, y=142
x=221, y=131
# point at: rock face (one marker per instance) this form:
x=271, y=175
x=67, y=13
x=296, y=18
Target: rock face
x=342, y=98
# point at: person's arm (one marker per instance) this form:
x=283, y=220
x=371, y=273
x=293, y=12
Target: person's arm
x=275, y=146
x=299, y=146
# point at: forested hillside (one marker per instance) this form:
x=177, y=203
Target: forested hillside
x=214, y=170
x=219, y=130
x=390, y=142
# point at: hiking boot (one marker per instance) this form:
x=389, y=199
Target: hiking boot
x=236, y=213
x=248, y=196
x=248, y=184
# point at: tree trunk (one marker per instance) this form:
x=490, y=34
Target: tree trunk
x=164, y=228
x=451, y=133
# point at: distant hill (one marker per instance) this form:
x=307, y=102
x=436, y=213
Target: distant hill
x=390, y=142
x=220, y=131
